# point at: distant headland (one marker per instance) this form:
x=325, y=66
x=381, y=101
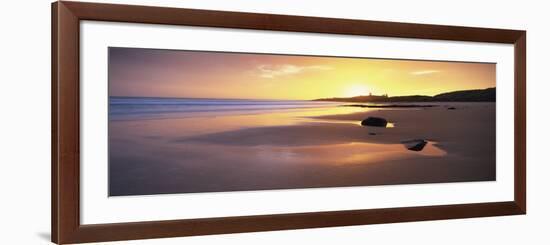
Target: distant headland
x=475, y=95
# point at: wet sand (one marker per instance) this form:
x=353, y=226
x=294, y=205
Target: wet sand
x=326, y=150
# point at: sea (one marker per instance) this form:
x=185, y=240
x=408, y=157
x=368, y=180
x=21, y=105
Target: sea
x=135, y=108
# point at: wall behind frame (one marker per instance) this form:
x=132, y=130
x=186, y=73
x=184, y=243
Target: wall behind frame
x=25, y=121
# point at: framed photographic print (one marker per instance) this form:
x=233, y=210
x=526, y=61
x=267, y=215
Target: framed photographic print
x=176, y=122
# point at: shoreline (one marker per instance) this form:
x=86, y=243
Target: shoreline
x=330, y=150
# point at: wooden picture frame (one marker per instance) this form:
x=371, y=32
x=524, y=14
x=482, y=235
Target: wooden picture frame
x=66, y=226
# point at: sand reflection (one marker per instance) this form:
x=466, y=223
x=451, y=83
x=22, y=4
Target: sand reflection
x=339, y=154
x=297, y=148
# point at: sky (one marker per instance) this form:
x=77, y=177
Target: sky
x=199, y=74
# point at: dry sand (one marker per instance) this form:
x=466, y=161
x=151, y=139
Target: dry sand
x=327, y=151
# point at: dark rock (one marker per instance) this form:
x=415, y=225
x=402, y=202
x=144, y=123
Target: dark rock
x=415, y=145
x=451, y=108
x=375, y=122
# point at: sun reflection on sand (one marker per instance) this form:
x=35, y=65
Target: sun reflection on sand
x=154, y=131
x=295, y=148
x=347, y=153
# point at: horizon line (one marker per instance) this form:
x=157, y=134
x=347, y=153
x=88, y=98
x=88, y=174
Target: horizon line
x=204, y=98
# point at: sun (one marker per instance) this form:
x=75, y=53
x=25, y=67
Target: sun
x=356, y=90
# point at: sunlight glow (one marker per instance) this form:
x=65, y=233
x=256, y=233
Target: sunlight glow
x=197, y=74
x=356, y=90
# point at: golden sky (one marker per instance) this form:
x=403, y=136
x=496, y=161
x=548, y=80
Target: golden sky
x=196, y=74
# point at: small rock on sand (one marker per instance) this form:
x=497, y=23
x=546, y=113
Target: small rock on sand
x=415, y=145
x=375, y=122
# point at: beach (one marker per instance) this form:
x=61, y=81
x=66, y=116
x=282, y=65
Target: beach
x=273, y=145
